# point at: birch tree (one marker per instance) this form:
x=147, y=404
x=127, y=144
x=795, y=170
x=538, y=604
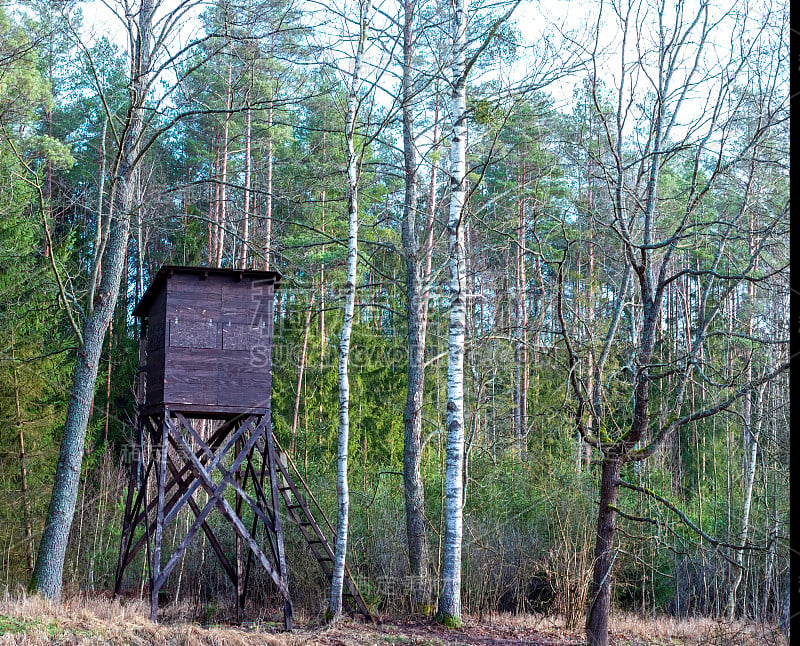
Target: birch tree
x=449, y=610
x=449, y=607
x=353, y=156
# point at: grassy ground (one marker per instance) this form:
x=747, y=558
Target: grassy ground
x=102, y=622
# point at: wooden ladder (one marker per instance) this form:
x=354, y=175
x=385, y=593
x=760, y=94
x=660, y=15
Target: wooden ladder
x=300, y=514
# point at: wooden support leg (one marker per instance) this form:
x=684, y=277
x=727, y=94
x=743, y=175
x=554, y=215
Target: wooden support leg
x=161, y=475
x=127, y=524
x=253, y=529
x=239, y=593
x=259, y=487
x=148, y=527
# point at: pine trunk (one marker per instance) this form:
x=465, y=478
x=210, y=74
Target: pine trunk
x=222, y=206
x=268, y=207
x=600, y=604
x=213, y=205
x=246, y=215
x=301, y=371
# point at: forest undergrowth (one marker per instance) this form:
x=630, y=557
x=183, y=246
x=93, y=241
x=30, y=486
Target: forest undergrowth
x=101, y=621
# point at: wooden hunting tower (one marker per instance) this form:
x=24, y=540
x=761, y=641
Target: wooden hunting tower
x=204, y=390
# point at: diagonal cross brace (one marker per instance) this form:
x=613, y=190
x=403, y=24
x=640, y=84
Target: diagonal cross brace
x=200, y=518
x=216, y=499
x=223, y=559
x=216, y=459
x=133, y=550
x=226, y=474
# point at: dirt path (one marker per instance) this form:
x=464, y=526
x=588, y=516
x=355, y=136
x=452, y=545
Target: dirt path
x=420, y=632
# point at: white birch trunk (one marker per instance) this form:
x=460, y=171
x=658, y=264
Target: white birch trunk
x=449, y=611
x=753, y=429
x=342, y=488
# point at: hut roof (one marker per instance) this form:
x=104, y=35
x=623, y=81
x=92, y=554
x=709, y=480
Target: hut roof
x=166, y=271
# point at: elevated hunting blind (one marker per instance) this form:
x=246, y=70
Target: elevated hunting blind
x=208, y=340
x=205, y=423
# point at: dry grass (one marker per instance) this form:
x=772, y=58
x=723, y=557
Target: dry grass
x=628, y=629
x=100, y=621
x=33, y=621
x=700, y=631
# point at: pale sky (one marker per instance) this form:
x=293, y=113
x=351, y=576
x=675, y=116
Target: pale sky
x=536, y=22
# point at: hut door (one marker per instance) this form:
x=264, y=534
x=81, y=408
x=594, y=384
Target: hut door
x=244, y=367
x=192, y=369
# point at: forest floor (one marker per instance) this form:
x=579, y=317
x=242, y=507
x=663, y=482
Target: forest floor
x=100, y=622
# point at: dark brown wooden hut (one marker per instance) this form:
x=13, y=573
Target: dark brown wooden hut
x=207, y=336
